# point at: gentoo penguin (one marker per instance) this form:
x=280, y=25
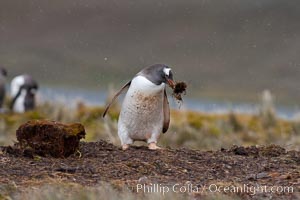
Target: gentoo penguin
x=145, y=111
x=23, y=89
x=3, y=74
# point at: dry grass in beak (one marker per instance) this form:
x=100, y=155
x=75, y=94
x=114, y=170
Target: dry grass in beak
x=179, y=88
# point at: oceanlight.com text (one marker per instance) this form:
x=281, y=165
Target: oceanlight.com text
x=213, y=188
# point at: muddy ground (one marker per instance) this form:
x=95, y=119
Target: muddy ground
x=100, y=161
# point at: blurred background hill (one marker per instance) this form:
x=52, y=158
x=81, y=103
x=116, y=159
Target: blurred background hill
x=230, y=50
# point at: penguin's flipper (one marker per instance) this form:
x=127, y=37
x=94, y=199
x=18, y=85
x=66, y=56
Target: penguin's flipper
x=13, y=101
x=116, y=95
x=166, y=111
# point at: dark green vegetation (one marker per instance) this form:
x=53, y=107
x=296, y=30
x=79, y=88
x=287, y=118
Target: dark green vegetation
x=223, y=49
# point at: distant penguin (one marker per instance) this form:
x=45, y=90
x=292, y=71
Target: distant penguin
x=23, y=90
x=145, y=111
x=3, y=74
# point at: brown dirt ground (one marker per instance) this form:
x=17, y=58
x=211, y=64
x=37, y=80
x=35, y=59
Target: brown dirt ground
x=101, y=161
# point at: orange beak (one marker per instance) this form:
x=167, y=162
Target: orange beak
x=171, y=83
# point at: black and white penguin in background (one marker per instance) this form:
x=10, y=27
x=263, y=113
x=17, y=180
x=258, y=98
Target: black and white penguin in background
x=3, y=74
x=23, y=91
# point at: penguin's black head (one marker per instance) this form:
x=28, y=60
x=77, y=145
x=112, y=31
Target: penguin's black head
x=158, y=74
x=3, y=72
x=33, y=85
x=29, y=82
x=30, y=85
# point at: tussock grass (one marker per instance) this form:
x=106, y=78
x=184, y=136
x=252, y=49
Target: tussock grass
x=188, y=129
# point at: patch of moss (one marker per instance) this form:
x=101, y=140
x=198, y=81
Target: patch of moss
x=73, y=129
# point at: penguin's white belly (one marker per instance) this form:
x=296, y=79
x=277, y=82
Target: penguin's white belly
x=141, y=117
x=19, y=105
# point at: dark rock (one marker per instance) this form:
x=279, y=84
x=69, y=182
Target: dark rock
x=69, y=170
x=240, y=151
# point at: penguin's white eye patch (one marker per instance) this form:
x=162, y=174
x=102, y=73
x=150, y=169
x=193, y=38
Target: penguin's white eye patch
x=167, y=71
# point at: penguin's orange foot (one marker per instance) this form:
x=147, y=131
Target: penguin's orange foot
x=125, y=147
x=153, y=146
